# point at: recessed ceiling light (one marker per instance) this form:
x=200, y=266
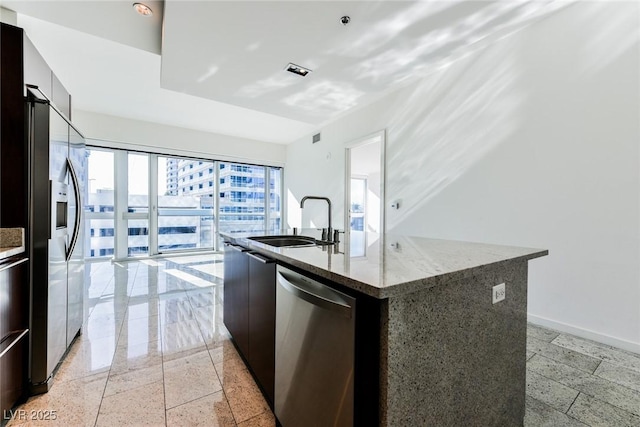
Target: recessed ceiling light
x=296, y=69
x=143, y=9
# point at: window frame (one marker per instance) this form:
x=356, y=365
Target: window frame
x=120, y=218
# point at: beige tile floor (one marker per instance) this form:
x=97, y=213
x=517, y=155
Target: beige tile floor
x=155, y=352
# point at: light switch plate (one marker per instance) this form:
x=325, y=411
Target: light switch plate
x=499, y=292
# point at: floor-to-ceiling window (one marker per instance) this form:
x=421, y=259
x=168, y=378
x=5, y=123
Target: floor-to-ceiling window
x=186, y=204
x=146, y=204
x=242, y=201
x=275, y=199
x=137, y=212
x=99, y=205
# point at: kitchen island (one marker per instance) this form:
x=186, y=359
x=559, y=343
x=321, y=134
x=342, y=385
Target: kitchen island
x=446, y=354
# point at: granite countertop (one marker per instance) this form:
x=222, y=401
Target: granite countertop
x=388, y=265
x=11, y=242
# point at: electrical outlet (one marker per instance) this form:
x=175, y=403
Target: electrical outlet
x=499, y=293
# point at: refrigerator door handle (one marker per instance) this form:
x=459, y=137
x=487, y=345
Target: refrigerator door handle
x=76, y=224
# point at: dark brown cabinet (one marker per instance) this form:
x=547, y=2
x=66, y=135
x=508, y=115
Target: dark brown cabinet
x=250, y=310
x=14, y=285
x=262, y=321
x=14, y=322
x=236, y=296
x=13, y=158
x=13, y=365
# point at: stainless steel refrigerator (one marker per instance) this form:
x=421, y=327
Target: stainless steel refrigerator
x=57, y=176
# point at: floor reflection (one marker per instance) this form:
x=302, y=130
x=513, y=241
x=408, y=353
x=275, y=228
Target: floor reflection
x=153, y=352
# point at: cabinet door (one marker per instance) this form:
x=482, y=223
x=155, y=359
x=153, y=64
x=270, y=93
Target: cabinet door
x=236, y=296
x=14, y=322
x=13, y=372
x=262, y=321
x=227, y=305
x=13, y=152
x=14, y=294
x=60, y=97
x=36, y=70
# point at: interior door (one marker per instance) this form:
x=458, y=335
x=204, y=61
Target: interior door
x=364, y=192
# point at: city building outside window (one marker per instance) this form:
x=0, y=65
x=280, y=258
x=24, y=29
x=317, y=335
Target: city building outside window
x=188, y=210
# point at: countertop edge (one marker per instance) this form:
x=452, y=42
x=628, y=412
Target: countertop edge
x=10, y=251
x=371, y=290
x=11, y=242
x=430, y=282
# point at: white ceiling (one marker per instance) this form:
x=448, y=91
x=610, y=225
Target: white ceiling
x=221, y=67
x=113, y=20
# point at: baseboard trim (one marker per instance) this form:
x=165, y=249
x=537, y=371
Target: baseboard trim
x=585, y=333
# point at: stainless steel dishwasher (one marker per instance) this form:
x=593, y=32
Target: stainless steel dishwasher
x=315, y=333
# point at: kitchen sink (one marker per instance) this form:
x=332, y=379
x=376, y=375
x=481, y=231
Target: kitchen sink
x=286, y=241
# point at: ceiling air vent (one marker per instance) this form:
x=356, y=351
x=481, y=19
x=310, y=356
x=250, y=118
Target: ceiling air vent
x=316, y=138
x=296, y=69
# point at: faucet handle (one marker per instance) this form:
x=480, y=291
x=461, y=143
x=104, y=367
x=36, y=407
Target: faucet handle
x=325, y=234
x=336, y=235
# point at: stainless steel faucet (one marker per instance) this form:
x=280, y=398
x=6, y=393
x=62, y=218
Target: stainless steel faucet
x=326, y=199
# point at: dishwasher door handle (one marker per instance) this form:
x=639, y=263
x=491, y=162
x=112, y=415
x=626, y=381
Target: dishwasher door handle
x=329, y=301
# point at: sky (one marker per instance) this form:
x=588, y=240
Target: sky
x=101, y=172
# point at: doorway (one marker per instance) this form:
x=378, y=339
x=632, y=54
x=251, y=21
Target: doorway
x=364, y=191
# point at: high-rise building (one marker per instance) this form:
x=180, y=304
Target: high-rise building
x=194, y=177
x=242, y=201
x=241, y=192
x=187, y=214
x=172, y=177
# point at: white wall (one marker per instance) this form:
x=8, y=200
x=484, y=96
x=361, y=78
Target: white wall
x=8, y=16
x=136, y=134
x=532, y=141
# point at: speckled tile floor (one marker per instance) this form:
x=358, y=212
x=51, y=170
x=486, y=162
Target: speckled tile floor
x=576, y=382
x=155, y=352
